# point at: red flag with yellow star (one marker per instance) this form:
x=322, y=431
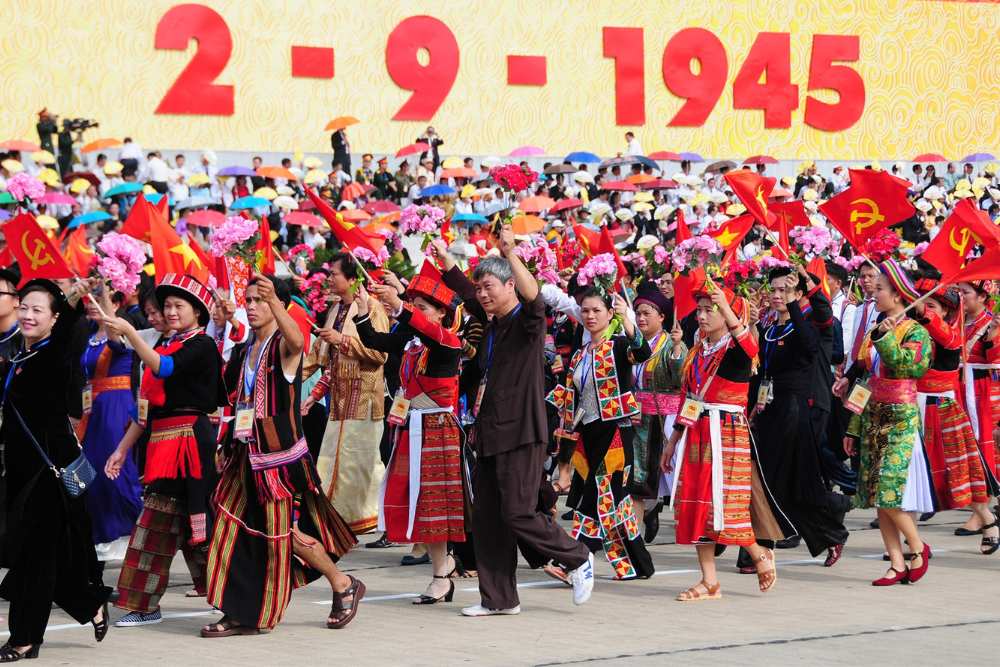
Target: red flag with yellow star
x=731, y=233
x=874, y=201
x=682, y=232
x=36, y=255
x=588, y=240
x=753, y=190
x=171, y=254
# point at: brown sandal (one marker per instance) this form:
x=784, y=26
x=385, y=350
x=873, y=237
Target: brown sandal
x=227, y=628
x=767, y=578
x=345, y=614
x=694, y=595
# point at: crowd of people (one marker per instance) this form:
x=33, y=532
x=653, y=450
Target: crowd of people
x=438, y=356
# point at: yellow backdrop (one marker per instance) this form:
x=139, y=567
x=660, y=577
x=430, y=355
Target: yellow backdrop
x=931, y=71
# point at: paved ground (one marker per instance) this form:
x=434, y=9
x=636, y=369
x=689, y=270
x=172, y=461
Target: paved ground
x=813, y=616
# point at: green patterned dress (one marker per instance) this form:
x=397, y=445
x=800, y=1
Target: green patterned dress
x=889, y=426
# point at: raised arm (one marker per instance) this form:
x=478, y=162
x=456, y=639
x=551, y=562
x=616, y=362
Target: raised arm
x=525, y=283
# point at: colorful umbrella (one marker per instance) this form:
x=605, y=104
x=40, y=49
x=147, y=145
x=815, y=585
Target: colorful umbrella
x=669, y=156
x=123, y=189
x=236, y=170
x=381, y=206
x=458, y=172
x=196, y=202
x=526, y=151
x=265, y=193
x=98, y=144
x=286, y=202
x=720, y=166
x=621, y=186
x=249, y=202
x=692, y=157
x=79, y=185
x=561, y=168
x=418, y=147
x=91, y=178
x=469, y=218
x=929, y=157
x=352, y=191
x=43, y=157
x=526, y=224
x=12, y=165
x=639, y=179
x=439, y=190
x=536, y=204
x=304, y=219
x=88, y=218
x=340, y=122
x=452, y=163
x=356, y=215
x=658, y=184
x=974, y=157
x=276, y=172
x=57, y=198
x=155, y=197
x=582, y=156
x=760, y=159
x=566, y=205
x=20, y=146
x=7, y=198
x=205, y=218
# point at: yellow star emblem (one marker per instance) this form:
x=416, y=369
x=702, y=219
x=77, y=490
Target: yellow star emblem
x=187, y=255
x=726, y=238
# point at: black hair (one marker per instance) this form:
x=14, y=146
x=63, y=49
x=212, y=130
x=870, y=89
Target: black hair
x=40, y=288
x=593, y=292
x=836, y=271
x=347, y=265
x=280, y=288
x=149, y=296
x=782, y=271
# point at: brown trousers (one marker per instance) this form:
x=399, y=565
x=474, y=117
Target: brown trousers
x=505, y=512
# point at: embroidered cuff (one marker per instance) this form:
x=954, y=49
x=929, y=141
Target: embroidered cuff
x=166, y=366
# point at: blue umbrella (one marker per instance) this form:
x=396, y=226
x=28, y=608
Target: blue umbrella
x=237, y=171
x=249, y=202
x=4, y=214
x=582, y=156
x=196, y=202
x=692, y=157
x=87, y=218
x=645, y=161
x=437, y=191
x=154, y=198
x=123, y=189
x=978, y=157
x=469, y=217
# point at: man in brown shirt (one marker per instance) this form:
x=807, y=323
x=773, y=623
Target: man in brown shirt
x=510, y=431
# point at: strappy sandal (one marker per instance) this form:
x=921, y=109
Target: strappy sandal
x=10, y=654
x=101, y=629
x=989, y=545
x=226, y=627
x=769, y=577
x=342, y=614
x=694, y=595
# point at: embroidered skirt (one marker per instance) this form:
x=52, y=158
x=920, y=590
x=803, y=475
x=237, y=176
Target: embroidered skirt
x=957, y=470
x=894, y=472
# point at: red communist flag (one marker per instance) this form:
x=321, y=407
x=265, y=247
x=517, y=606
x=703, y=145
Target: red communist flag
x=874, y=201
x=685, y=287
x=79, y=255
x=588, y=240
x=986, y=267
x=347, y=234
x=964, y=229
x=34, y=251
x=683, y=232
x=731, y=232
x=171, y=254
x=753, y=190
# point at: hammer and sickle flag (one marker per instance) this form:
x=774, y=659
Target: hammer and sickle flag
x=34, y=251
x=964, y=229
x=874, y=201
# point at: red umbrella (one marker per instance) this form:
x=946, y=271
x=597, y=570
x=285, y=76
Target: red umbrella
x=352, y=191
x=621, y=186
x=306, y=205
x=72, y=176
x=205, y=218
x=381, y=206
x=566, y=205
x=536, y=204
x=665, y=155
x=303, y=218
x=760, y=159
x=658, y=184
x=930, y=157
x=20, y=146
x=418, y=147
x=355, y=215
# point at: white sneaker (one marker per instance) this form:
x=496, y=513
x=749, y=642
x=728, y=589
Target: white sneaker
x=582, y=579
x=480, y=610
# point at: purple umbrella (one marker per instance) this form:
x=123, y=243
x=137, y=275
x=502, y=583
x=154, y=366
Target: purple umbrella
x=978, y=157
x=4, y=214
x=692, y=157
x=237, y=171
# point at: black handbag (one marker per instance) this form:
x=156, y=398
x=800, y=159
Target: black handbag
x=75, y=477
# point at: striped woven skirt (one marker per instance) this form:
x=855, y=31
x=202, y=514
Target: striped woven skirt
x=957, y=470
x=693, y=508
x=251, y=568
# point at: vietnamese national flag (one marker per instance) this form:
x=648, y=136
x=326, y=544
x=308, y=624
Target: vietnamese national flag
x=266, y=249
x=607, y=245
x=817, y=267
x=792, y=213
x=986, y=267
x=684, y=291
x=79, y=255
x=753, y=190
x=171, y=254
x=588, y=239
x=36, y=254
x=965, y=228
x=347, y=234
x=682, y=232
x=731, y=233
x=203, y=257
x=139, y=216
x=874, y=201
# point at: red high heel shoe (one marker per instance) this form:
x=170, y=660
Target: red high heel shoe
x=897, y=578
x=917, y=573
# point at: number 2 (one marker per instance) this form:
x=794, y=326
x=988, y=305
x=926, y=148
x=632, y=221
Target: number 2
x=193, y=91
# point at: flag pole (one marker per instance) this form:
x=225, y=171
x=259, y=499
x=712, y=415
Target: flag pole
x=924, y=297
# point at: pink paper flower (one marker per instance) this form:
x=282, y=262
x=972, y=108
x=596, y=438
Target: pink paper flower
x=235, y=231
x=23, y=185
x=121, y=261
x=420, y=219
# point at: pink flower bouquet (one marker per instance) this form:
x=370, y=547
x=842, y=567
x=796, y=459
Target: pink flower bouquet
x=513, y=178
x=813, y=241
x=24, y=187
x=697, y=251
x=236, y=237
x=539, y=259
x=121, y=260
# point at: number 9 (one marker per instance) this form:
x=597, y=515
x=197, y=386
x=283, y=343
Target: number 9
x=430, y=83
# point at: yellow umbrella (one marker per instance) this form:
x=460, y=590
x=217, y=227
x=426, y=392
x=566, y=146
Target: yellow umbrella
x=47, y=222
x=12, y=165
x=49, y=177
x=314, y=176
x=113, y=168
x=452, y=163
x=265, y=193
x=340, y=122
x=311, y=162
x=643, y=197
x=198, y=179
x=148, y=190
x=43, y=157
x=79, y=185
